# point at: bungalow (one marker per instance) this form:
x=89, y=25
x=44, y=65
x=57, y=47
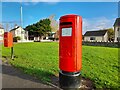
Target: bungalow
x=1, y=34
x=117, y=30
x=96, y=36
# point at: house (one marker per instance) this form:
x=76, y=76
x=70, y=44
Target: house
x=54, y=35
x=47, y=36
x=96, y=36
x=117, y=30
x=51, y=36
x=1, y=34
x=19, y=31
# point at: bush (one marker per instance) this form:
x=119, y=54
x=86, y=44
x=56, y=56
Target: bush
x=18, y=38
x=56, y=39
x=15, y=39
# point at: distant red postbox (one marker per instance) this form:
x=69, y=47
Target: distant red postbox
x=8, y=39
x=70, y=51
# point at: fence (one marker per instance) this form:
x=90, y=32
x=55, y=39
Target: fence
x=105, y=44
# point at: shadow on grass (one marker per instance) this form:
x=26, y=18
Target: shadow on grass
x=41, y=76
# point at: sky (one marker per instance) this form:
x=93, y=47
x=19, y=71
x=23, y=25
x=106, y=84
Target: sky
x=95, y=15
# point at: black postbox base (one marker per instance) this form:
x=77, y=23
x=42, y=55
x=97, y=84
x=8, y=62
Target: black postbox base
x=69, y=80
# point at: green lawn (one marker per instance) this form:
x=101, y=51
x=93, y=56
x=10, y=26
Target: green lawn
x=99, y=64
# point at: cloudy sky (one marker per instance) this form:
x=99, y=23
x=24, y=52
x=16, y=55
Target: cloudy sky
x=96, y=15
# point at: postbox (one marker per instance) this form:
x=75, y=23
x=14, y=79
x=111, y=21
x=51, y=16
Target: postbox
x=70, y=51
x=8, y=39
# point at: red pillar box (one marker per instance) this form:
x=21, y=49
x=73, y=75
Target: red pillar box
x=70, y=51
x=8, y=39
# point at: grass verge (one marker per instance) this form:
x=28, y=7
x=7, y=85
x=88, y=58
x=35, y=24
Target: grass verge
x=100, y=64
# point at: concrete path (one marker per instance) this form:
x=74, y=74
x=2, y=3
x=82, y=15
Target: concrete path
x=13, y=78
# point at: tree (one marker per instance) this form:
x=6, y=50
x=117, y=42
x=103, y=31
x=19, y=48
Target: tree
x=54, y=24
x=44, y=27
x=110, y=34
x=40, y=28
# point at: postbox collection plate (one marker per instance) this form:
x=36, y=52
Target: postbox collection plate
x=67, y=31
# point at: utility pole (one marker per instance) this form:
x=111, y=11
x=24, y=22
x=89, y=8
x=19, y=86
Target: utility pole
x=7, y=27
x=21, y=19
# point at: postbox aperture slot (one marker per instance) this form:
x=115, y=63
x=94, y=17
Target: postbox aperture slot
x=65, y=23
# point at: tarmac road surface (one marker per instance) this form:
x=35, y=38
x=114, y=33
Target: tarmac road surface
x=13, y=78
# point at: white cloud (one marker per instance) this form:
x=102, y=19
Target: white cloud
x=30, y=0
x=44, y=17
x=29, y=3
x=45, y=0
x=31, y=17
x=60, y=0
x=26, y=3
x=97, y=23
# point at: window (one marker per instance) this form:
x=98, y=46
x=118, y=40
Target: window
x=22, y=32
x=92, y=38
x=118, y=39
x=0, y=31
x=118, y=29
x=18, y=32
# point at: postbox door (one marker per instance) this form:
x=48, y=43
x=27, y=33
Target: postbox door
x=5, y=39
x=67, y=46
x=8, y=39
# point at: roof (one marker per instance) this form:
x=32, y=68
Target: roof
x=117, y=22
x=15, y=28
x=95, y=33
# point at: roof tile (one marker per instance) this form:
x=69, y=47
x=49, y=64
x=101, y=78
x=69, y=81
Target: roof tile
x=95, y=33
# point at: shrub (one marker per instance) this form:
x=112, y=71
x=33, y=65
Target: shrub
x=56, y=39
x=15, y=39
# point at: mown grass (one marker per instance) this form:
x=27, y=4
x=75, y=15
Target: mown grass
x=100, y=64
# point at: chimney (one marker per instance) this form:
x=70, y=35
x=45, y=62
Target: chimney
x=15, y=26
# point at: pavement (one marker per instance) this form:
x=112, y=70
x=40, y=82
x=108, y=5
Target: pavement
x=14, y=78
